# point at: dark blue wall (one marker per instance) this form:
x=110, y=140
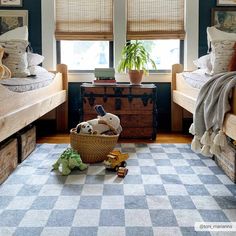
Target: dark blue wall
x=34, y=22
x=205, y=7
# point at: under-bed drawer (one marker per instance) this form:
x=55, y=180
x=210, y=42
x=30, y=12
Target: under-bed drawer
x=8, y=158
x=227, y=161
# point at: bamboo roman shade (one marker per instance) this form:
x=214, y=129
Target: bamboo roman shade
x=84, y=19
x=155, y=19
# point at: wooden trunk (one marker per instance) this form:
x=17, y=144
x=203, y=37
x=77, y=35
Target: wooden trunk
x=227, y=161
x=134, y=105
x=8, y=158
x=26, y=142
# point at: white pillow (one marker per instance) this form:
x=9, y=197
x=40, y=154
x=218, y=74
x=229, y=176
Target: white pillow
x=35, y=70
x=16, y=60
x=213, y=34
x=20, y=33
x=203, y=62
x=34, y=59
x=222, y=52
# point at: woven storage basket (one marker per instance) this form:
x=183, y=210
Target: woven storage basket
x=92, y=148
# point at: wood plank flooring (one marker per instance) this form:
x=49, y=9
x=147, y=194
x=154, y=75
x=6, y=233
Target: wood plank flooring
x=161, y=138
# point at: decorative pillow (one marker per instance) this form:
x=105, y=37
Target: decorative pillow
x=17, y=33
x=34, y=59
x=16, y=60
x=232, y=62
x=203, y=62
x=213, y=34
x=221, y=54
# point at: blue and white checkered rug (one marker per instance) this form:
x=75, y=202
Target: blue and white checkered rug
x=168, y=188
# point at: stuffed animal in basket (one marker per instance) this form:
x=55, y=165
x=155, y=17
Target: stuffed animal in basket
x=69, y=160
x=5, y=73
x=105, y=122
x=85, y=128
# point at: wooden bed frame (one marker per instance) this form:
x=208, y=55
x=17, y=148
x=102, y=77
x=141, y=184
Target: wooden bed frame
x=18, y=110
x=181, y=102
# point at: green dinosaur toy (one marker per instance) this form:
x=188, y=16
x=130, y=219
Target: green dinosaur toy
x=69, y=160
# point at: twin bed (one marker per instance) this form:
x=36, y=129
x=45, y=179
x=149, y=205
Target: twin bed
x=19, y=109
x=184, y=97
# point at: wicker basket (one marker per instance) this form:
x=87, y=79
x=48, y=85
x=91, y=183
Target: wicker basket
x=92, y=148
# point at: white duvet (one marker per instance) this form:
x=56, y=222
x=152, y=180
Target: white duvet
x=196, y=78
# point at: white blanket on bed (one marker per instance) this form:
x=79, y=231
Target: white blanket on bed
x=211, y=106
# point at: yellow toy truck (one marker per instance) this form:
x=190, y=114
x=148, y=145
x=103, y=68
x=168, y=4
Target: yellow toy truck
x=116, y=159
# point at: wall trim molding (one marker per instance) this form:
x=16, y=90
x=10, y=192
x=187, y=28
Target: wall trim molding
x=191, y=42
x=48, y=38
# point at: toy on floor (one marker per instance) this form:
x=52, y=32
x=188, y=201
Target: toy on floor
x=122, y=172
x=69, y=160
x=116, y=159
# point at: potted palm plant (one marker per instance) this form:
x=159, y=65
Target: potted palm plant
x=135, y=59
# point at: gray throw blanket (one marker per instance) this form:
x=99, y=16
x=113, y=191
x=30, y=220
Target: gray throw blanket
x=213, y=103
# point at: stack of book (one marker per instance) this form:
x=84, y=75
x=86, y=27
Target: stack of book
x=104, y=76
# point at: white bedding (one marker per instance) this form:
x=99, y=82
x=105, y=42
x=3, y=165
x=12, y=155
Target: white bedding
x=42, y=79
x=196, y=78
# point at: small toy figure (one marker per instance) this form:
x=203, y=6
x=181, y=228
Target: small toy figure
x=69, y=160
x=116, y=159
x=122, y=172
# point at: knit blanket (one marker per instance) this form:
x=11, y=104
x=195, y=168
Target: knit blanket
x=212, y=104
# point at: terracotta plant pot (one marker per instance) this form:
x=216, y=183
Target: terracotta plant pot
x=135, y=76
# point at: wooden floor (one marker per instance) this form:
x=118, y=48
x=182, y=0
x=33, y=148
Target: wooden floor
x=161, y=138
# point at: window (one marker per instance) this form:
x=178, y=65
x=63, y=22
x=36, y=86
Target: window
x=155, y=19
x=159, y=24
x=84, y=30
x=165, y=53
x=85, y=55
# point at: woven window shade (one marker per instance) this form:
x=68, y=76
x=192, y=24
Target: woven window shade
x=155, y=19
x=84, y=20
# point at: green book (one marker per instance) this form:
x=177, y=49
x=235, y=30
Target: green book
x=104, y=72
